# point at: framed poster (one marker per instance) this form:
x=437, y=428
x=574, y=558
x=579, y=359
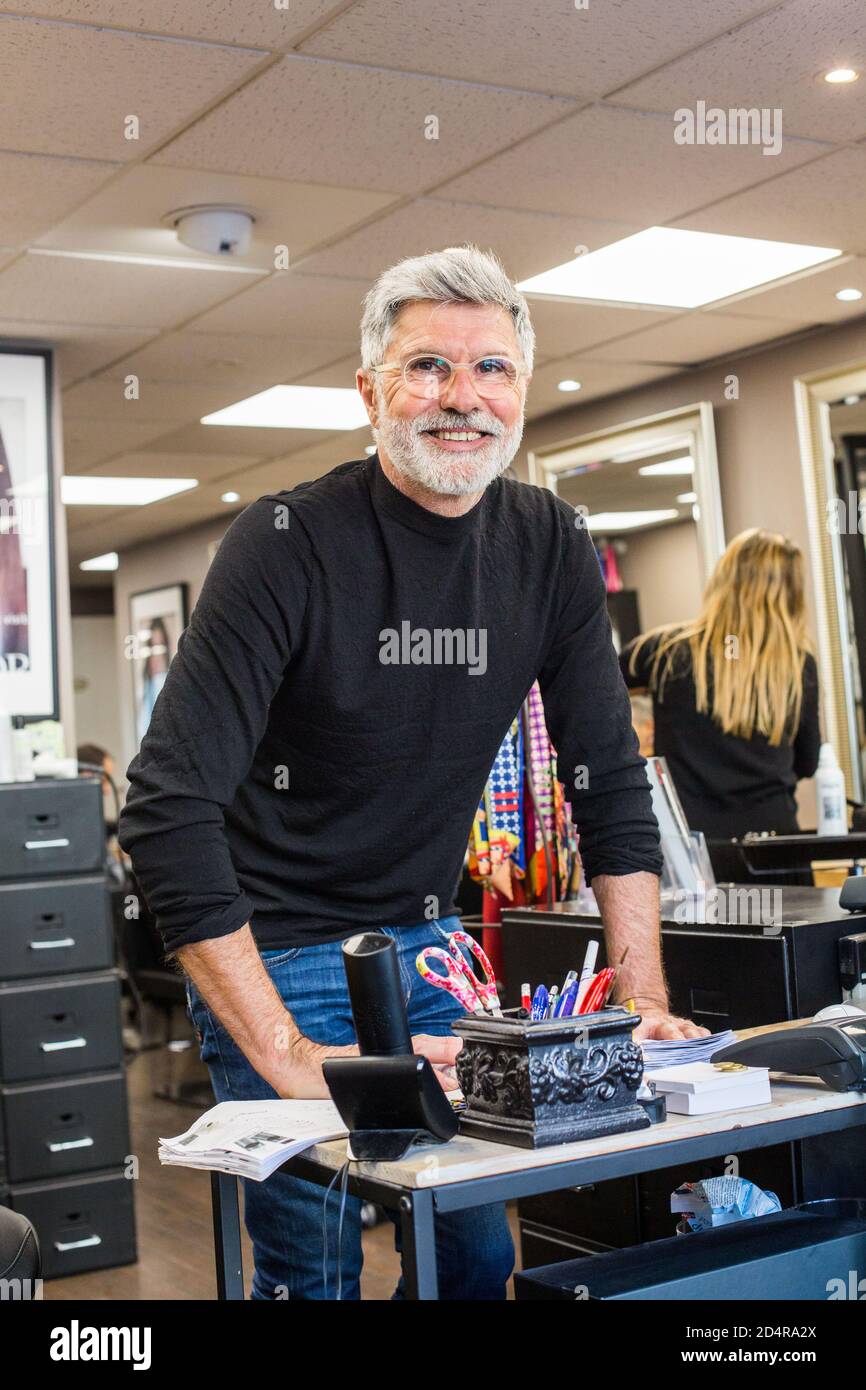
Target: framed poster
x=157, y=618
x=28, y=638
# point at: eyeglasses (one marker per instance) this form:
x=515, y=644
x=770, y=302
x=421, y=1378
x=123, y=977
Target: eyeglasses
x=427, y=376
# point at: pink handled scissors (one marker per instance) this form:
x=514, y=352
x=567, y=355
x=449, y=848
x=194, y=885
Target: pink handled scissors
x=454, y=980
x=460, y=980
x=485, y=988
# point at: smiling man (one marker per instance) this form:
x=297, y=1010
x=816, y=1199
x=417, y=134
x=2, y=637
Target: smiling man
x=298, y=783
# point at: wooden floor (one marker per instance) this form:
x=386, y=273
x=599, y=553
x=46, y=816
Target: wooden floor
x=173, y=1215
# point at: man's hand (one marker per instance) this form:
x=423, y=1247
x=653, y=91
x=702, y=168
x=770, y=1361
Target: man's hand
x=654, y=1023
x=304, y=1079
x=440, y=1052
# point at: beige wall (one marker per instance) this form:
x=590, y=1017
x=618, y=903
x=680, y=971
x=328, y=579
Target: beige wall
x=180, y=559
x=663, y=565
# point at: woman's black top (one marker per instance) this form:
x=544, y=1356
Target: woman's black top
x=727, y=785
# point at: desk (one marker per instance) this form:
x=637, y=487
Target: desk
x=470, y=1172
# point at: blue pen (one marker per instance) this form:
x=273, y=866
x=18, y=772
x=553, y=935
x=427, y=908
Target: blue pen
x=571, y=976
x=569, y=996
x=552, y=1002
x=539, y=1004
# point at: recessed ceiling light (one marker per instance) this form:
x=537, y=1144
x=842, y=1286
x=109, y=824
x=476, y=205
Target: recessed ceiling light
x=671, y=468
x=108, y=561
x=230, y=497
x=568, y=385
x=850, y=400
x=841, y=75
x=671, y=266
x=628, y=521
x=296, y=408
x=685, y=497
x=849, y=294
x=130, y=258
x=370, y=449
x=79, y=490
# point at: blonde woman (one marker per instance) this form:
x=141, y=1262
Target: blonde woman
x=735, y=693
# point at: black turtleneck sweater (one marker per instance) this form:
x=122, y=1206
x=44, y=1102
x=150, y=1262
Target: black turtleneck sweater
x=318, y=751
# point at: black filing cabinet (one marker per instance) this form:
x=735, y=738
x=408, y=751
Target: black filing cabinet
x=64, y=1128
x=763, y=970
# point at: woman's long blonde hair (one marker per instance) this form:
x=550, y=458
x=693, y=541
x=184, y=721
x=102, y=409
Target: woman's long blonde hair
x=748, y=642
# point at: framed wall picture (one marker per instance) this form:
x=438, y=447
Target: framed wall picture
x=157, y=617
x=28, y=637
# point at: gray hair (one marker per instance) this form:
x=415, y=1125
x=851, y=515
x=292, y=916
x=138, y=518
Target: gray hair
x=457, y=275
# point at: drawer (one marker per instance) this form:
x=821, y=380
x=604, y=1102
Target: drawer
x=56, y=1128
x=54, y=926
x=82, y=1223
x=51, y=827
x=541, y=1246
x=57, y=1028
x=604, y=1213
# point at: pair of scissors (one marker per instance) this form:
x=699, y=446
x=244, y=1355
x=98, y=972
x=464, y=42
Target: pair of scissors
x=478, y=996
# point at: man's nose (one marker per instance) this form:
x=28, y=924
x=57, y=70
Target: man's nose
x=459, y=393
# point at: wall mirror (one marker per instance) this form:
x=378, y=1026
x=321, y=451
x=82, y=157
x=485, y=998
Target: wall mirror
x=650, y=492
x=831, y=418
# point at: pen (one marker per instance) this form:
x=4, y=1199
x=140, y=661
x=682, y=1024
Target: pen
x=568, y=1000
x=539, y=1004
x=525, y=998
x=553, y=1004
x=586, y=972
x=570, y=978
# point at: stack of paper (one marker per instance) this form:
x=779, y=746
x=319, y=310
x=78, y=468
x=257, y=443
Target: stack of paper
x=253, y=1137
x=679, y=1052
x=705, y=1089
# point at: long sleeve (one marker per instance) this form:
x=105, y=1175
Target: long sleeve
x=207, y=723
x=589, y=718
x=807, y=742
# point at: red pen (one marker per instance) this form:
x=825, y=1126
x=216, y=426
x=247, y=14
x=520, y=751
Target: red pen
x=526, y=998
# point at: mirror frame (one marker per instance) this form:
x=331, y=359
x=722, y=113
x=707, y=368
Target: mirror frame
x=694, y=422
x=813, y=395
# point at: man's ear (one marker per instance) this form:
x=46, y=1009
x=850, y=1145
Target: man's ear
x=368, y=395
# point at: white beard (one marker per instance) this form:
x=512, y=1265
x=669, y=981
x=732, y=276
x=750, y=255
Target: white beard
x=448, y=474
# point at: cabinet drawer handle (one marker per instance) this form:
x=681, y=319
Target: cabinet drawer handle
x=52, y=945
x=46, y=844
x=64, y=1245
x=70, y=1144
x=61, y=1046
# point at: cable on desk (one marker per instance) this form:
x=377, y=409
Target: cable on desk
x=341, y=1173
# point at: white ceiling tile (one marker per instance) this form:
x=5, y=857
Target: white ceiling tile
x=563, y=326
x=526, y=242
x=153, y=463
x=231, y=361
x=104, y=398
x=292, y=304
x=52, y=289
x=232, y=440
x=543, y=45
x=78, y=350
x=126, y=216
x=694, y=337
x=820, y=204
x=66, y=89
x=319, y=122
x=776, y=61
x=39, y=189
x=810, y=298
x=608, y=162
x=597, y=379
x=262, y=25
x=88, y=442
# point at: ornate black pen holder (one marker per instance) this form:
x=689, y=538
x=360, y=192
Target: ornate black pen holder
x=534, y=1084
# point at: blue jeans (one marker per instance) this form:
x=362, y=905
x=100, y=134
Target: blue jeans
x=475, y=1254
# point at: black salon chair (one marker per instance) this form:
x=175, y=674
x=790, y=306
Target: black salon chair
x=20, y=1261
x=156, y=982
